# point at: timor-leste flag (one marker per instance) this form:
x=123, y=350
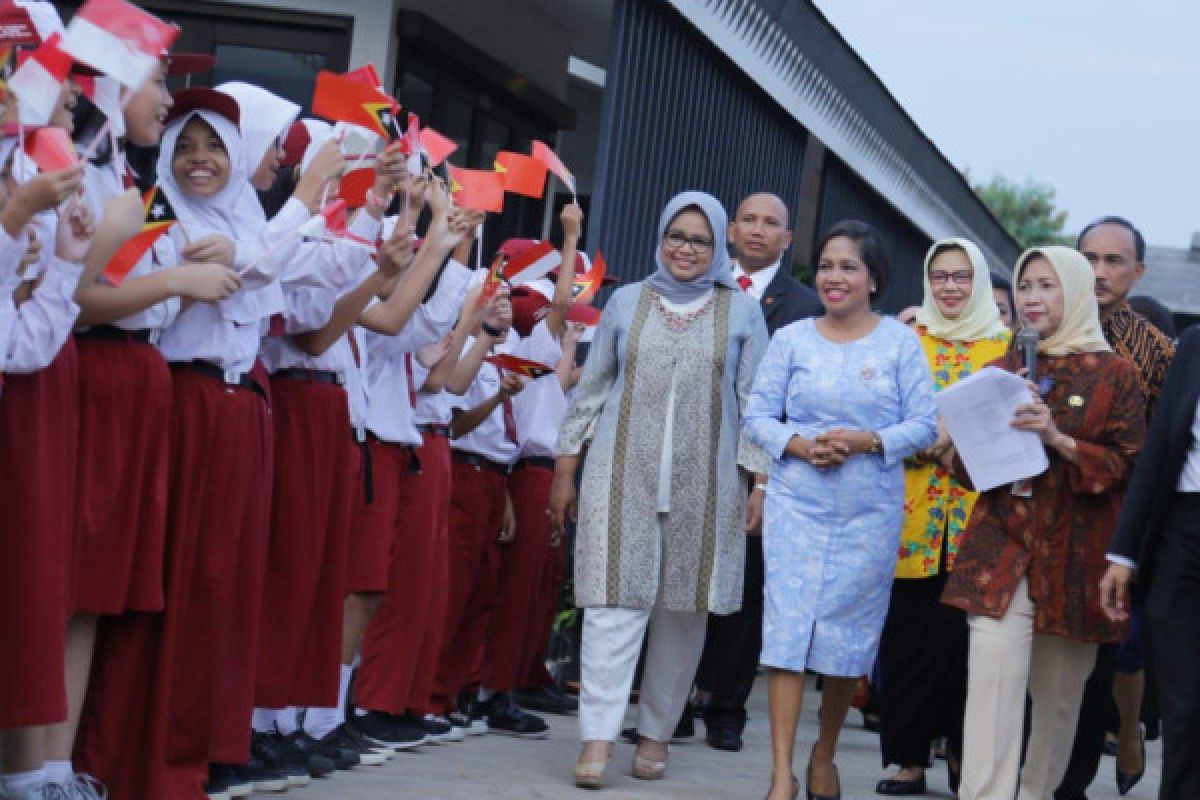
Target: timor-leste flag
x=522, y=366
x=343, y=99
x=523, y=174
x=477, y=189
x=158, y=217
x=586, y=285
x=543, y=153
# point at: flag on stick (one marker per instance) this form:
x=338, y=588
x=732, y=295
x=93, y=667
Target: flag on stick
x=587, y=284
x=51, y=149
x=531, y=264
x=38, y=82
x=477, y=189
x=158, y=218
x=522, y=366
x=118, y=39
x=543, y=153
x=523, y=175
x=436, y=146
x=344, y=99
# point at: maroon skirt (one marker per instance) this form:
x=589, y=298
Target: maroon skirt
x=39, y=428
x=373, y=530
x=125, y=412
x=300, y=643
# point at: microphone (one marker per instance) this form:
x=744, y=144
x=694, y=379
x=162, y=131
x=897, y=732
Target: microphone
x=1027, y=343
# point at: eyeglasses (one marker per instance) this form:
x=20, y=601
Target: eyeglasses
x=962, y=278
x=677, y=241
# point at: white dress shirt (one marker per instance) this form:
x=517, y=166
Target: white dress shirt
x=759, y=281
x=542, y=404
x=32, y=334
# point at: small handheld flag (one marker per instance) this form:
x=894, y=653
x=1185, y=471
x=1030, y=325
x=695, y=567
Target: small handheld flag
x=344, y=99
x=587, y=284
x=522, y=366
x=38, y=82
x=51, y=149
x=436, y=146
x=118, y=39
x=523, y=175
x=543, y=153
x=532, y=264
x=476, y=189
x=158, y=218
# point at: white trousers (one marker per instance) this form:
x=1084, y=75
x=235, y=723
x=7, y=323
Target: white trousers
x=612, y=640
x=1006, y=658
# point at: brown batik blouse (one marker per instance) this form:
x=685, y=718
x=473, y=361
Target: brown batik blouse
x=1056, y=538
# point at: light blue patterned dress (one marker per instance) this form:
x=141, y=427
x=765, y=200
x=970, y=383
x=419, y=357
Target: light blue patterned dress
x=830, y=536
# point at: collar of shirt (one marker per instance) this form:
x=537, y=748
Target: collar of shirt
x=759, y=281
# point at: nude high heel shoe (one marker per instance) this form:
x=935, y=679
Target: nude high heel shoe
x=590, y=774
x=647, y=769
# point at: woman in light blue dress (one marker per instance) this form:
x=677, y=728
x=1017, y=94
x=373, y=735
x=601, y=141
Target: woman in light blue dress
x=839, y=402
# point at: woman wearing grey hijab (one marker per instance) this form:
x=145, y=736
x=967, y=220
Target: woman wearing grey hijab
x=662, y=512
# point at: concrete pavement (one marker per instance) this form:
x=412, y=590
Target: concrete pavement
x=496, y=767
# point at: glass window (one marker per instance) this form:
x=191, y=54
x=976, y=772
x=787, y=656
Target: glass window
x=416, y=95
x=495, y=135
x=459, y=115
x=287, y=74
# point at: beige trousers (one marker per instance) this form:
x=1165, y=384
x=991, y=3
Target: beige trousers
x=1006, y=658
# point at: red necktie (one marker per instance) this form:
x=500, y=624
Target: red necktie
x=350, y=337
x=408, y=371
x=510, y=420
x=744, y=282
x=128, y=180
x=277, y=326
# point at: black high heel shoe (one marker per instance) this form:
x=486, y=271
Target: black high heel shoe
x=1126, y=781
x=811, y=795
x=894, y=787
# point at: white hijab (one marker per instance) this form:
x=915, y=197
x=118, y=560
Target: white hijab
x=980, y=319
x=1080, y=330
x=218, y=213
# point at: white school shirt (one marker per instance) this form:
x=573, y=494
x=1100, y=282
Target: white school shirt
x=389, y=392
x=32, y=335
x=101, y=184
x=759, y=281
x=541, y=406
x=489, y=439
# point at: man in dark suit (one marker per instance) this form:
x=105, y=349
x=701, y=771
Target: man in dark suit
x=759, y=235
x=1158, y=539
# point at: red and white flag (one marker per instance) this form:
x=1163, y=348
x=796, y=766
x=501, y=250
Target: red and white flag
x=118, y=39
x=531, y=264
x=38, y=82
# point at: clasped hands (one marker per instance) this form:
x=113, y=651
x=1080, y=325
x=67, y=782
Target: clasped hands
x=831, y=448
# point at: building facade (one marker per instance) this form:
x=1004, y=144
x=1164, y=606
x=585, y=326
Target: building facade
x=643, y=98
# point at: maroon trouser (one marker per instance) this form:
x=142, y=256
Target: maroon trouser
x=517, y=619
x=476, y=515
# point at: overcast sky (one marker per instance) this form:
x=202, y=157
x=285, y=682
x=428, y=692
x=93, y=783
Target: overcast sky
x=1100, y=99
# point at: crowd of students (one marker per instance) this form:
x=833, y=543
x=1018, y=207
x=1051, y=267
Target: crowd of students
x=267, y=462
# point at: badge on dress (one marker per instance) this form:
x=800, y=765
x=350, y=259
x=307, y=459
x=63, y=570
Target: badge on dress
x=868, y=373
x=1075, y=401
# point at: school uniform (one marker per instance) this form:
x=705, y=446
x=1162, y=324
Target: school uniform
x=390, y=645
x=526, y=565
x=302, y=603
x=482, y=461
x=39, y=407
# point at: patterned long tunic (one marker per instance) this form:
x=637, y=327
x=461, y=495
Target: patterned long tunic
x=628, y=554
x=830, y=536
x=936, y=505
x=1056, y=538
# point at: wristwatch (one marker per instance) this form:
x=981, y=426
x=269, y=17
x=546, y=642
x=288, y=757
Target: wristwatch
x=876, y=448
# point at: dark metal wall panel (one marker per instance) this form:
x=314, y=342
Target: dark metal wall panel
x=846, y=196
x=678, y=115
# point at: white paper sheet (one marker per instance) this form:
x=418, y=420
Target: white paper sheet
x=978, y=413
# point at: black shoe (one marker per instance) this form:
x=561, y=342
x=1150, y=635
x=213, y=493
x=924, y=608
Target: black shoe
x=300, y=749
x=898, y=788
x=546, y=700
x=271, y=750
x=723, y=737
x=230, y=778
x=439, y=729
x=505, y=716
x=1126, y=781
x=811, y=795
x=259, y=776
x=389, y=730
x=217, y=785
x=330, y=746
x=344, y=738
